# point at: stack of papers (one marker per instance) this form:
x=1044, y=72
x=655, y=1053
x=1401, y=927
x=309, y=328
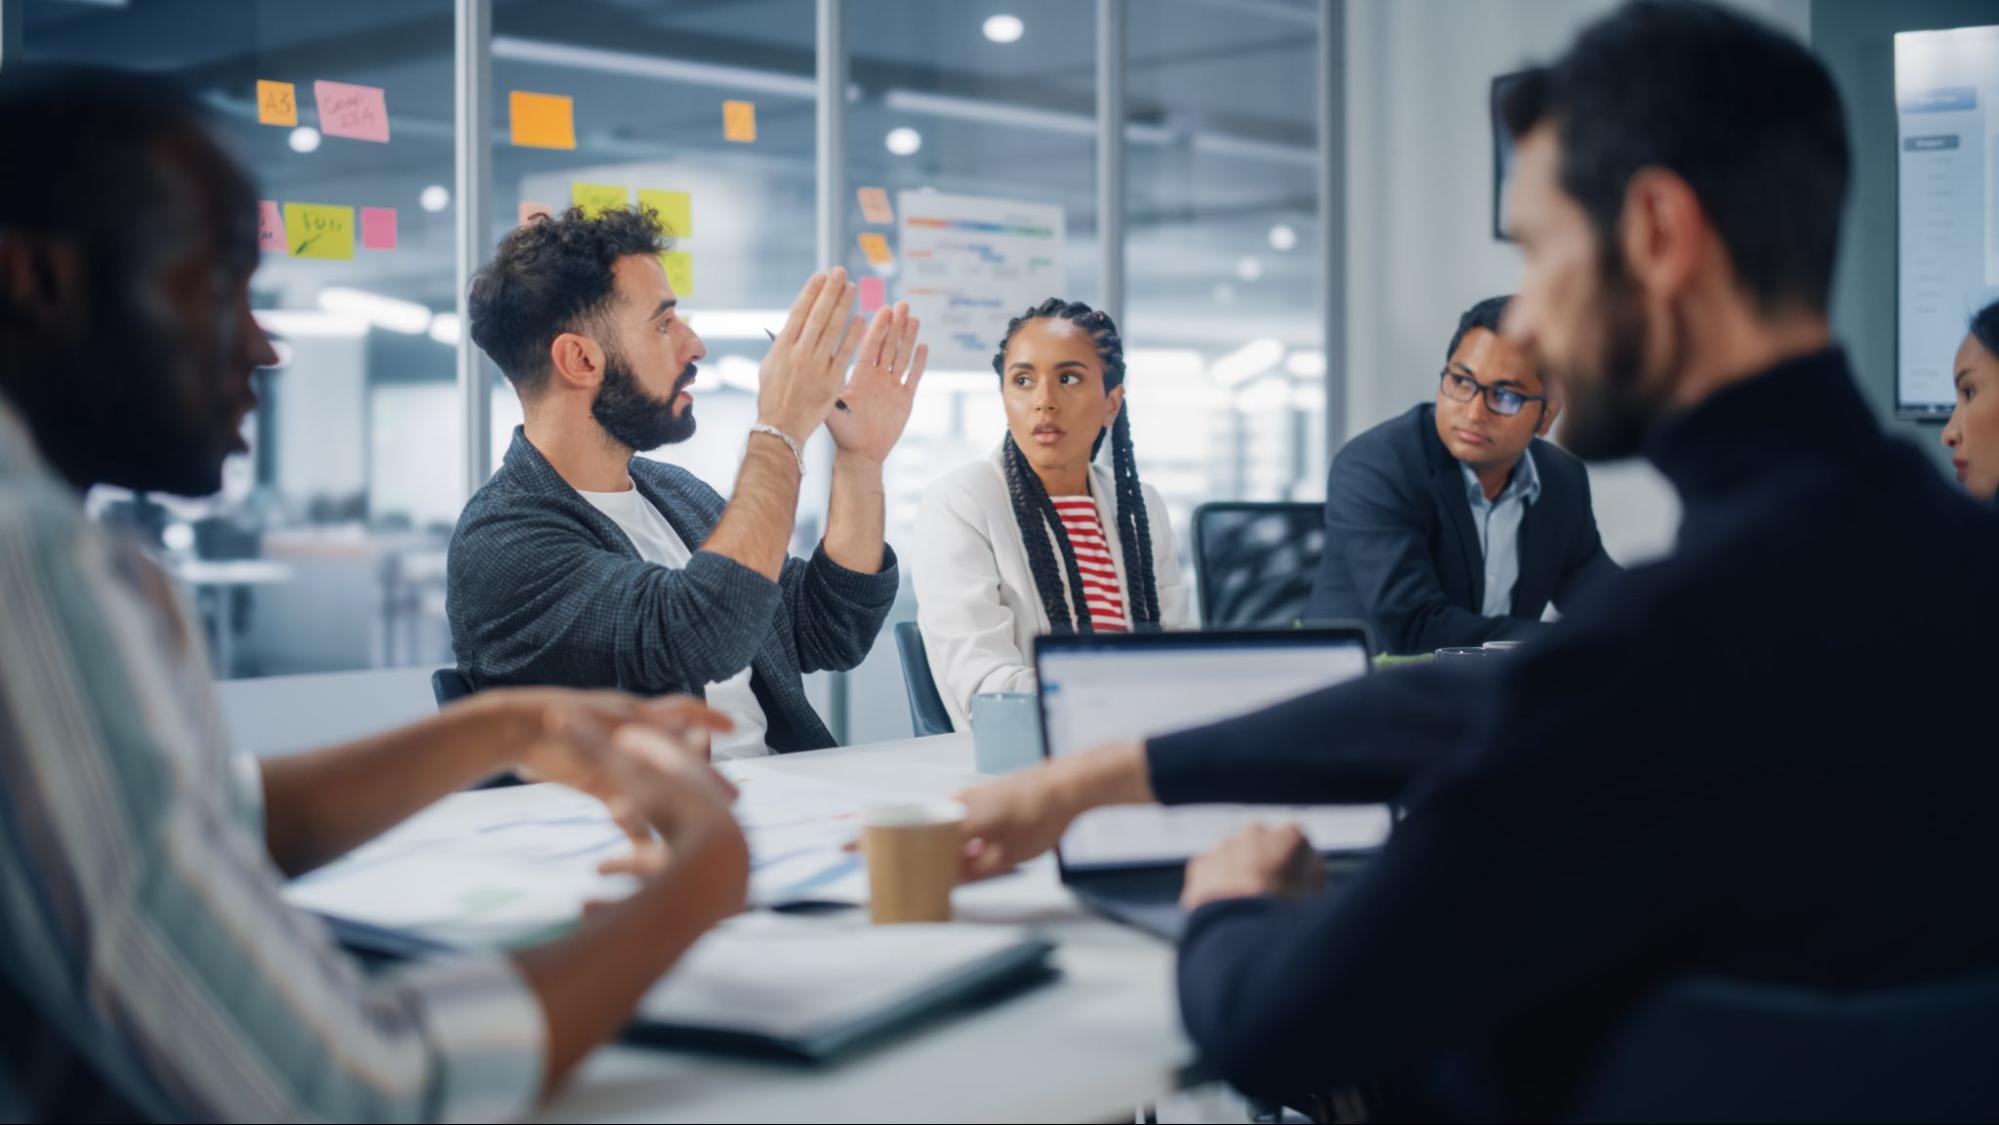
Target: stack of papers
x=516, y=865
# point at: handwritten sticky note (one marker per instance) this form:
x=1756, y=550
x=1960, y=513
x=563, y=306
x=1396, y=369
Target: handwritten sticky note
x=530, y=210
x=378, y=228
x=876, y=248
x=277, y=103
x=739, y=122
x=874, y=206
x=874, y=294
x=679, y=271
x=676, y=210
x=542, y=120
x=595, y=199
x=270, y=226
x=318, y=230
x=358, y=113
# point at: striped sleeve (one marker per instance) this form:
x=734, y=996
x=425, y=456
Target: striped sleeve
x=141, y=878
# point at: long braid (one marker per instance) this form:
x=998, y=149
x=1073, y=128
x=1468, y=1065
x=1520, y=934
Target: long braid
x=1032, y=508
x=1030, y=500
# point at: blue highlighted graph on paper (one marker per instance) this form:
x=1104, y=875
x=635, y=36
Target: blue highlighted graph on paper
x=970, y=264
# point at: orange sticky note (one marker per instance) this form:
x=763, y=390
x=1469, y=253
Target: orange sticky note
x=676, y=210
x=876, y=248
x=679, y=271
x=530, y=210
x=874, y=206
x=739, y=121
x=270, y=226
x=542, y=120
x=277, y=103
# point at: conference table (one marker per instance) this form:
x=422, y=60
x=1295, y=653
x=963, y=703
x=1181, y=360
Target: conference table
x=1099, y=1040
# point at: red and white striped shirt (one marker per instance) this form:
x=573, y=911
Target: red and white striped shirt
x=1101, y=590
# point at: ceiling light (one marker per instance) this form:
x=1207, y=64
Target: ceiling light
x=436, y=197
x=392, y=313
x=903, y=141
x=1003, y=28
x=305, y=138
x=1248, y=269
x=1246, y=362
x=1306, y=364
x=1283, y=237
x=444, y=328
x=299, y=323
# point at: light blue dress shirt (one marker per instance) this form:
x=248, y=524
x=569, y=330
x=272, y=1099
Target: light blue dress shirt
x=1498, y=523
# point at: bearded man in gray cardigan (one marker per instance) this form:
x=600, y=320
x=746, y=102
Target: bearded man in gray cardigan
x=582, y=564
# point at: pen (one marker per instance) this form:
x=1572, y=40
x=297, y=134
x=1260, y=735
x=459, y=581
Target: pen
x=838, y=404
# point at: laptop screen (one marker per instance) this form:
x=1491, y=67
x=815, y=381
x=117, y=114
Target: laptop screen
x=1104, y=689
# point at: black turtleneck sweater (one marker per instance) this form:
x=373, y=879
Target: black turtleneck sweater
x=1770, y=757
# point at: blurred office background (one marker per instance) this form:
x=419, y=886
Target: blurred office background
x=1305, y=210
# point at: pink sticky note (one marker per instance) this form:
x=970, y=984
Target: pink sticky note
x=874, y=294
x=357, y=112
x=530, y=209
x=378, y=228
x=270, y=226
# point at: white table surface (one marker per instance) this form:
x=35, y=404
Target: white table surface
x=1094, y=1044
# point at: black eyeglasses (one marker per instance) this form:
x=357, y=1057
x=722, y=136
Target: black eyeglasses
x=1501, y=400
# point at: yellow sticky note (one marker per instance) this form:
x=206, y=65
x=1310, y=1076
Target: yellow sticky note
x=277, y=103
x=595, y=199
x=739, y=121
x=679, y=271
x=318, y=230
x=876, y=248
x=542, y=120
x=676, y=211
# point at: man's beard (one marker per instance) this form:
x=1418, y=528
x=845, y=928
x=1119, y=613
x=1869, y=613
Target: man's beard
x=635, y=419
x=1608, y=414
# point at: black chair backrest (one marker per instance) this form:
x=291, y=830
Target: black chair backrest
x=926, y=708
x=1256, y=561
x=1706, y=1049
x=449, y=685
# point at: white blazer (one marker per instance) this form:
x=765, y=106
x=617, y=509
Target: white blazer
x=975, y=597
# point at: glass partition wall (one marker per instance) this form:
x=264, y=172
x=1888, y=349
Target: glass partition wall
x=964, y=146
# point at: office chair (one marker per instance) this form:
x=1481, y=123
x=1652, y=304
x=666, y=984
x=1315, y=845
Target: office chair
x=449, y=685
x=1707, y=1049
x=1255, y=562
x=926, y=707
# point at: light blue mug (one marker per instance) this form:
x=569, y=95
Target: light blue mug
x=1006, y=731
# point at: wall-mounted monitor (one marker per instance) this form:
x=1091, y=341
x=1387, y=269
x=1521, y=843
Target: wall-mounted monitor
x=1947, y=156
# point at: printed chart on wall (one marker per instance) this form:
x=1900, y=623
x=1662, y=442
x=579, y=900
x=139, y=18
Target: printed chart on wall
x=1947, y=103
x=970, y=264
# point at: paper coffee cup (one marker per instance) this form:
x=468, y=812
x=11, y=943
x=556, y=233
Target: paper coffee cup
x=912, y=852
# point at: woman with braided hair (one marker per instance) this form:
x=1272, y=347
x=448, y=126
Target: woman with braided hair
x=1039, y=537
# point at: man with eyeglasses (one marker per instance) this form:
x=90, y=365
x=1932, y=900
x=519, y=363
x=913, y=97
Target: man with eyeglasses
x=1453, y=524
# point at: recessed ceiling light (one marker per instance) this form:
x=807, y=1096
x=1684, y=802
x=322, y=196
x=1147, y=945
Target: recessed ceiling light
x=305, y=138
x=436, y=197
x=903, y=141
x=1283, y=237
x=1249, y=269
x=1003, y=28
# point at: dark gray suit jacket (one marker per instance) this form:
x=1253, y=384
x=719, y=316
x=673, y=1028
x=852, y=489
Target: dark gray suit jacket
x=542, y=588
x=1402, y=553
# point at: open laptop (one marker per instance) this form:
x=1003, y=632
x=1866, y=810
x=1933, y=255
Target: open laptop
x=1098, y=688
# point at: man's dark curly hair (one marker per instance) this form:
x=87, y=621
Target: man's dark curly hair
x=551, y=275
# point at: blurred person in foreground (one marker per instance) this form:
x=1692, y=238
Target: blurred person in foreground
x=154, y=968
x=1711, y=767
